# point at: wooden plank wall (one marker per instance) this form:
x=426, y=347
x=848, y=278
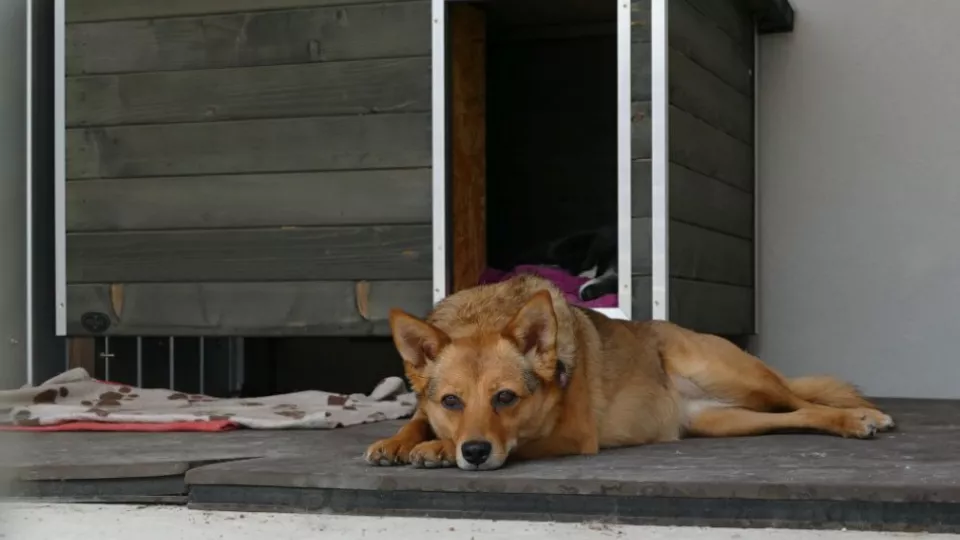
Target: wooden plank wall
x=640, y=86
x=247, y=167
x=711, y=169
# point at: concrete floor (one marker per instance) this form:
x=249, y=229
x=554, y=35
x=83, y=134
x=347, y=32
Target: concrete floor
x=907, y=480
x=22, y=521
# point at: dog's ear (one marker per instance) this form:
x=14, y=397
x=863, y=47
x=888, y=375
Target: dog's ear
x=418, y=342
x=534, y=331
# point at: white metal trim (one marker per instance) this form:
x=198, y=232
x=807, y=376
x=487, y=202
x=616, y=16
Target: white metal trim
x=624, y=159
x=29, y=199
x=59, y=153
x=613, y=313
x=439, y=132
x=660, y=186
x=756, y=180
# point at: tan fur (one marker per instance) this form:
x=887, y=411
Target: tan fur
x=585, y=382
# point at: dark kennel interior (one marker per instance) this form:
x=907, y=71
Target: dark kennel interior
x=551, y=123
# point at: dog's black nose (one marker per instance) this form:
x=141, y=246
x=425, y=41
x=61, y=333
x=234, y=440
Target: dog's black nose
x=476, y=452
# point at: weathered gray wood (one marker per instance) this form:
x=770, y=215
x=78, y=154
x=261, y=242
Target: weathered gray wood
x=281, y=254
x=640, y=187
x=640, y=249
x=704, y=95
x=356, y=87
x=695, y=90
x=257, y=200
x=641, y=130
x=640, y=21
x=242, y=39
x=247, y=308
x=707, y=150
x=642, y=303
x=640, y=72
x=731, y=16
x=298, y=144
x=108, y=10
x=704, y=255
x=696, y=253
x=712, y=308
x=701, y=40
x=696, y=199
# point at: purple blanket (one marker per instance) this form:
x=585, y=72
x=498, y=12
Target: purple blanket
x=570, y=285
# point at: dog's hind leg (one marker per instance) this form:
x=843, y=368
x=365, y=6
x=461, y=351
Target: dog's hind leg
x=738, y=422
x=727, y=392
x=705, y=367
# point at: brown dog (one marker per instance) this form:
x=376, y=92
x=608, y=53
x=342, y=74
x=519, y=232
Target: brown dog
x=511, y=369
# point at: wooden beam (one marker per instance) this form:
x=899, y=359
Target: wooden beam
x=468, y=141
x=696, y=199
x=109, y=10
x=325, y=198
x=373, y=141
x=697, y=254
x=322, y=89
x=713, y=308
x=301, y=308
x=700, y=39
x=698, y=145
x=274, y=254
x=82, y=353
x=243, y=39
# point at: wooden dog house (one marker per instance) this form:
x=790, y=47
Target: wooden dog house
x=299, y=167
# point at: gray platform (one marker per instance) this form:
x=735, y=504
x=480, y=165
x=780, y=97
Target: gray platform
x=908, y=479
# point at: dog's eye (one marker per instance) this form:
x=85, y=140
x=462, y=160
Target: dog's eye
x=504, y=398
x=451, y=402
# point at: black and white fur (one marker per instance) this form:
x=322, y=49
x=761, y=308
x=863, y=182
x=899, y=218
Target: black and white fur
x=591, y=254
x=601, y=262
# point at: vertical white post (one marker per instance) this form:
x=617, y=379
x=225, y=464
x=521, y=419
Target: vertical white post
x=624, y=161
x=60, y=165
x=756, y=181
x=439, y=16
x=660, y=158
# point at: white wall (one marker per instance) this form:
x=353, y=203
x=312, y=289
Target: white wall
x=860, y=195
x=13, y=20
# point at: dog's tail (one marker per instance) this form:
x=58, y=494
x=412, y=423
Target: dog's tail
x=829, y=391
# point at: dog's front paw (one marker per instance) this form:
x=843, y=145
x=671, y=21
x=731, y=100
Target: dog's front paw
x=388, y=452
x=434, y=454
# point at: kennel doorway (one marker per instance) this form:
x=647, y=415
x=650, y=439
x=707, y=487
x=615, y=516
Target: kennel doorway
x=536, y=133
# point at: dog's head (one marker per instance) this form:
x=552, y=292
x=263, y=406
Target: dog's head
x=487, y=391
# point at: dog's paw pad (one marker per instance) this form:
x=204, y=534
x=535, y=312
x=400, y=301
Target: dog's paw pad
x=433, y=455
x=388, y=452
x=884, y=422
